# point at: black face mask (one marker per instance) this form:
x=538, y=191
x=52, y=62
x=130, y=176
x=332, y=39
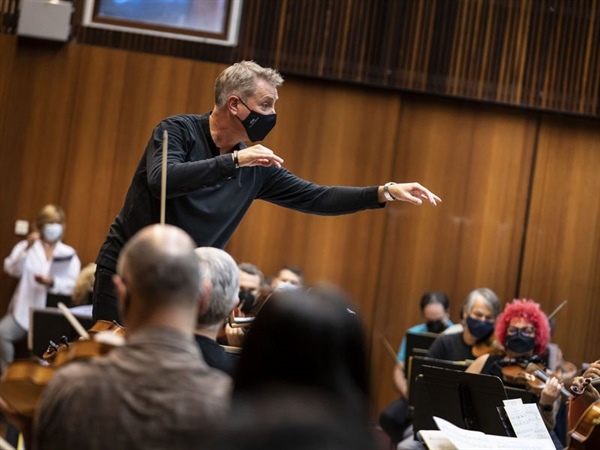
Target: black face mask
x=257, y=125
x=481, y=329
x=247, y=299
x=519, y=344
x=435, y=326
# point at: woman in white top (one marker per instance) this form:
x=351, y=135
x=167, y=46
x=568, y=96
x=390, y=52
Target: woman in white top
x=43, y=264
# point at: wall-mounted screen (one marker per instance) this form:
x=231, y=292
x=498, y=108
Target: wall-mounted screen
x=209, y=21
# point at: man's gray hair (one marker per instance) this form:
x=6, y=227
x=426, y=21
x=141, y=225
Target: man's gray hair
x=240, y=79
x=488, y=295
x=220, y=270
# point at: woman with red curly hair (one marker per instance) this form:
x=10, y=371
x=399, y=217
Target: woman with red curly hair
x=524, y=331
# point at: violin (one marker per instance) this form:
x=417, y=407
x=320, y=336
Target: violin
x=24, y=381
x=101, y=326
x=488, y=346
x=531, y=375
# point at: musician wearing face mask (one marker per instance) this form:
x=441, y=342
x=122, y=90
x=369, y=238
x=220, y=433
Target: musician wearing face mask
x=251, y=295
x=43, y=264
x=524, y=331
x=213, y=177
x=252, y=283
x=288, y=277
x=480, y=309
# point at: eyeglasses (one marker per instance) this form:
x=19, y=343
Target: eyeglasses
x=525, y=331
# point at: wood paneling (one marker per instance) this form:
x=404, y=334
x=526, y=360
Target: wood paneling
x=478, y=160
x=535, y=53
x=560, y=259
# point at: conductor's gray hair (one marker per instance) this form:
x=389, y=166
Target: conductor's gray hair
x=220, y=270
x=488, y=295
x=240, y=79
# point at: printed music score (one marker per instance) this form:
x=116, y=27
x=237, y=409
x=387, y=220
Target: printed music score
x=526, y=420
x=451, y=437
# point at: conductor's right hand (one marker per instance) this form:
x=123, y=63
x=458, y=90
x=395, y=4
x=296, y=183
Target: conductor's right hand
x=258, y=155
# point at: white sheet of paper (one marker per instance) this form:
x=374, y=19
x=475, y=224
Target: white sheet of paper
x=476, y=440
x=436, y=440
x=527, y=421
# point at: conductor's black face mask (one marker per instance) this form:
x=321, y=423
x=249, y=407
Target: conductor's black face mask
x=257, y=125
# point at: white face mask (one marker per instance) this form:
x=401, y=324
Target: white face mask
x=286, y=285
x=53, y=231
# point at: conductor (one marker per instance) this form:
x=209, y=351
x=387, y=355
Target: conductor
x=214, y=177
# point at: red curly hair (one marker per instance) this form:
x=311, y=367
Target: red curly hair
x=531, y=312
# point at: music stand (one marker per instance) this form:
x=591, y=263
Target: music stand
x=467, y=400
x=416, y=363
x=47, y=324
x=417, y=344
x=52, y=300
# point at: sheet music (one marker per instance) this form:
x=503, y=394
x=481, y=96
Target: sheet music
x=476, y=440
x=527, y=421
x=436, y=440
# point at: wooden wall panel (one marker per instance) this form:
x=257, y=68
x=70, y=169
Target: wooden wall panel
x=92, y=147
x=532, y=53
x=478, y=160
x=560, y=259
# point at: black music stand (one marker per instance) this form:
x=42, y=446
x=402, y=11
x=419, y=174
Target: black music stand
x=416, y=363
x=467, y=400
x=417, y=344
x=47, y=324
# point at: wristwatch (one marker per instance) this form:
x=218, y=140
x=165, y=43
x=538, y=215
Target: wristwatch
x=386, y=192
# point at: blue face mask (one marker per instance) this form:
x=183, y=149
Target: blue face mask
x=52, y=232
x=257, y=125
x=481, y=329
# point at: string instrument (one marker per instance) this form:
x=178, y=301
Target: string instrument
x=488, y=346
x=23, y=381
x=580, y=384
x=531, y=375
x=585, y=435
x=101, y=326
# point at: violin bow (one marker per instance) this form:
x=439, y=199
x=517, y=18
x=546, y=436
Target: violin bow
x=558, y=308
x=163, y=178
x=73, y=320
x=389, y=348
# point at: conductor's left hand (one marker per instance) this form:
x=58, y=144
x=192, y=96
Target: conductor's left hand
x=413, y=193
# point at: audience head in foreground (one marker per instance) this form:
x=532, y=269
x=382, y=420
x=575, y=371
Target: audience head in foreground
x=310, y=339
x=302, y=378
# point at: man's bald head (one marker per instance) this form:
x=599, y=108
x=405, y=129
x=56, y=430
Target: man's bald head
x=158, y=264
